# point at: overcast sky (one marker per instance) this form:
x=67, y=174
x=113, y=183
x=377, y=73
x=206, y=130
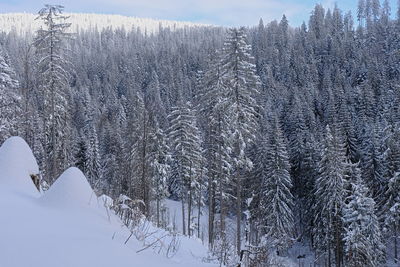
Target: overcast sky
x=219, y=12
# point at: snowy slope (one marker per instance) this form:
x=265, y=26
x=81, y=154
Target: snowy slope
x=67, y=226
x=25, y=22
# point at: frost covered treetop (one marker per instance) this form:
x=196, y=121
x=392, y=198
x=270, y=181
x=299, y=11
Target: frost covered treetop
x=25, y=22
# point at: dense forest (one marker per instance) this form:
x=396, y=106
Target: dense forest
x=282, y=134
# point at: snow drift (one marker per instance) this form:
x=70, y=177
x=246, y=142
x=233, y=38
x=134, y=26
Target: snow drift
x=17, y=164
x=70, y=189
x=70, y=232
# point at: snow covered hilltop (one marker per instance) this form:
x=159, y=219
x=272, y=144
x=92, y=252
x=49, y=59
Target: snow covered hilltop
x=68, y=225
x=26, y=22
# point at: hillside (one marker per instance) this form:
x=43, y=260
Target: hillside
x=26, y=22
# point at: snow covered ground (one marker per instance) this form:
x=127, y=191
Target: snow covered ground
x=291, y=260
x=68, y=226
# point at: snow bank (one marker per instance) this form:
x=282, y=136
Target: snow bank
x=70, y=189
x=17, y=163
x=32, y=233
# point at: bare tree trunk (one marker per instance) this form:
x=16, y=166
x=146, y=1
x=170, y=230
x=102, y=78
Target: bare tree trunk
x=222, y=207
x=53, y=111
x=190, y=200
x=158, y=211
x=221, y=184
x=238, y=211
x=183, y=217
x=237, y=152
x=27, y=134
x=211, y=204
x=396, y=258
x=144, y=184
x=337, y=239
x=198, y=215
x=329, y=253
x=199, y=202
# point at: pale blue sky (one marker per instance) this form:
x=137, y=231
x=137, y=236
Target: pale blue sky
x=219, y=12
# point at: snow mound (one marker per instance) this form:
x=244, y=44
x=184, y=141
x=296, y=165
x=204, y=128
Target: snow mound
x=49, y=232
x=70, y=189
x=17, y=164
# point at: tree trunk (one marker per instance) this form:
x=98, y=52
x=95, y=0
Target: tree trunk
x=222, y=209
x=329, y=252
x=396, y=258
x=238, y=211
x=158, y=211
x=190, y=200
x=221, y=191
x=211, y=204
x=199, y=202
x=145, y=196
x=27, y=132
x=53, y=111
x=183, y=217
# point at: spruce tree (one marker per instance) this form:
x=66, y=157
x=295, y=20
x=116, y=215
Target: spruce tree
x=330, y=198
x=213, y=109
x=391, y=211
x=93, y=157
x=54, y=81
x=185, y=142
x=10, y=101
x=241, y=87
x=276, y=199
x=159, y=160
x=362, y=238
x=139, y=129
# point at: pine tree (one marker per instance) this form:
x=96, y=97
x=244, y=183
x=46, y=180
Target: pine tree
x=347, y=131
x=297, y=132
x=153, y=100
x=93, y=158
x=139, y=130
x=330, y=197
x=361, y=11
x=391, y=211
x=185, y=142
x=363, y=240
x=240, y=85
x=10, y=101
x=54, y=80
x=373, y=162
x=310, y=173
x=81, y=153
x=213, y=108
x=276, y=200
x=159, y=160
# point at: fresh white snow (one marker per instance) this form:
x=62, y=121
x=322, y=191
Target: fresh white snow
x=68, y=226
x=25, y=22
x=70, y=189
x=17, y=163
